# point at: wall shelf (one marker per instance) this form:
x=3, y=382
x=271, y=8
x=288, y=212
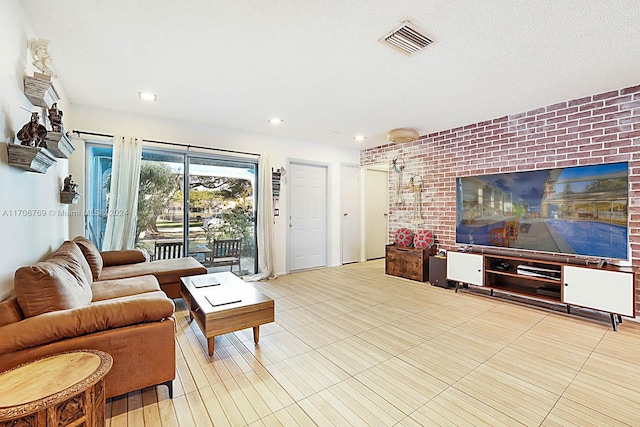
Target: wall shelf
x=69, y=197
x=40, y=92
x=59, y=144
x=32, y=159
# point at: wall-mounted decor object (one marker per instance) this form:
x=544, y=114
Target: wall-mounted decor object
x=276, y=179
x=40, y=91
x=32, y=159
x=55, y=118
x=41, y=57
x=32, y=134
x=415, y=183
x=69, y=198
x=423, y=239
x=276, y=176
x=398, y=167
x=68, y=194
x=403, y=135
x=59, y=144
x=403, y=237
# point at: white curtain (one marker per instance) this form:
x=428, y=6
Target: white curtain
x=266, y=253
x=123, y=196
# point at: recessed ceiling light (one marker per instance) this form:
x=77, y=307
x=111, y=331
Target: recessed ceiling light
x=276, y=121
x=359, y=137
x=147, y=96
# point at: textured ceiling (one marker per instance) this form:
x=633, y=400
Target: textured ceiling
x=319, y=65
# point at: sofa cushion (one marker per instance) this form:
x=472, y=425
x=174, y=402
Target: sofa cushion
x=10, y=311
x=93, y=318
x=70, y=254
x=165, y=270
x=109, y=289
x=123, y=257
x=91, y=254
x=59, y=283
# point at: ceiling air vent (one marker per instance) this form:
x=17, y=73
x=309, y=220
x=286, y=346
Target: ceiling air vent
x=407, y=38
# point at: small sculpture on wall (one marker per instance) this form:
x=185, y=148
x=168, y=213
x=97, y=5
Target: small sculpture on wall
x=398, y=167
x=415, y=183
x=69, y=186
x=32, y=134
x=55, y=118
x=41, y=57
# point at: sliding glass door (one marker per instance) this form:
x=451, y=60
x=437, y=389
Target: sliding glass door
x=221, y=207
x=160, y=225
x=186, y=203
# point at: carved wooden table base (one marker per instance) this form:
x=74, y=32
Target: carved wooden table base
x=65, y=389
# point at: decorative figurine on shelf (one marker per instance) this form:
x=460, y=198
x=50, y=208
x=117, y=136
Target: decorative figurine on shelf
x=69, y=186
x=55, y=117
x=416, y=187
x=41, y=57
x=32, y=134
x=398, y=167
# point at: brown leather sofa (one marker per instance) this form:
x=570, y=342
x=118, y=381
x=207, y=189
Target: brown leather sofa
x=110, y=265
x=74, y=300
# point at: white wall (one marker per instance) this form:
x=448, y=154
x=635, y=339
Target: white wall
x=281, y=151
x=24, y=239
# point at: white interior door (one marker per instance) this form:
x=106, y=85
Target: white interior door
x=350, y=201
x=308, y=216
x=376, y=212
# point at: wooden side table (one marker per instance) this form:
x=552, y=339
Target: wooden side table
x=65, y=389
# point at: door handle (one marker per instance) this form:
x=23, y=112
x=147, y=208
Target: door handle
x=345, y=214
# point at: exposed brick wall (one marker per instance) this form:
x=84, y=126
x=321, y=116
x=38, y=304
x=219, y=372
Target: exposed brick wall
x=603, y=128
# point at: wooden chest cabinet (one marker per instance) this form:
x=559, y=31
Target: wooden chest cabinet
x=410, y=263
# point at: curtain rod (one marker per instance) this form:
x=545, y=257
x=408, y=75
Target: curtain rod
x=81, y=132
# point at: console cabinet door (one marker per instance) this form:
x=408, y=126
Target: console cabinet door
x=465, y=268
x=610, y=291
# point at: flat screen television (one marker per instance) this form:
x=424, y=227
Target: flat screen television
x=579, y=211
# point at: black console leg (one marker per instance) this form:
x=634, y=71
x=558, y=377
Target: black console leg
x=457, y=284
x=568, y=309
x=614, y=324
x=491, y=292
x=619, y=318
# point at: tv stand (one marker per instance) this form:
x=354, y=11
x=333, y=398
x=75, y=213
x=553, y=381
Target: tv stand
x=560, y=281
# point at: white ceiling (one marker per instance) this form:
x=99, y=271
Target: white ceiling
x=318, y=63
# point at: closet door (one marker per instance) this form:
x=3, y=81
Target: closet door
x=307, y=224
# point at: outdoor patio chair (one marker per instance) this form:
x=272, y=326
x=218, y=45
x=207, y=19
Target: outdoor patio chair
x=168, y=250
x=226, y=252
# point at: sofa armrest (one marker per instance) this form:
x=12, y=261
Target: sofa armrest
x=98, y=316
x=129, y=256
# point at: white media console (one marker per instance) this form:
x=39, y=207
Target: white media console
x=548, y=278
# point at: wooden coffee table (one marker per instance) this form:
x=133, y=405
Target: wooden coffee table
x=223, y=303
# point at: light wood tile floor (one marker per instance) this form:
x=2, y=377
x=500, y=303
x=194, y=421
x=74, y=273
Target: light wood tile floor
x=352, y=346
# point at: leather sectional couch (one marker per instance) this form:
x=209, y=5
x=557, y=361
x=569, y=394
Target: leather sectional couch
x=80, y=298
